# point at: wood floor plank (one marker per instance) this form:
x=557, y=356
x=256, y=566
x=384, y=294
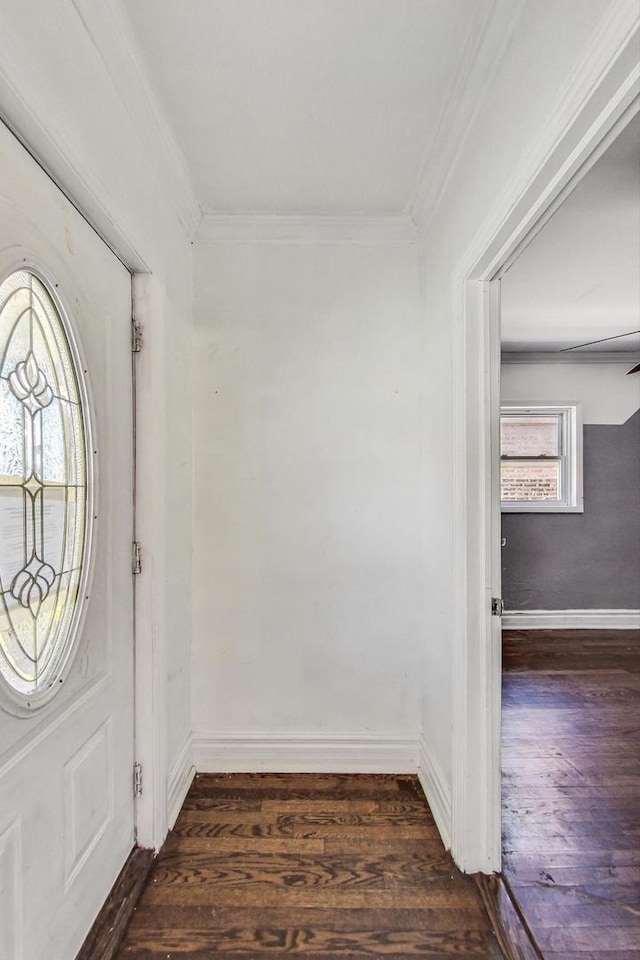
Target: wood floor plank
x=319, y=942
x=257, y=786
x=580, y=914
x=267, y=896
x=359, y=831
x=600, y=955
x=324, y=806
x=436, y=950
x=220, y=805
x=248, y=868
x=593, y=938
x=184, y=845
x=553, y=840
x=186, y=917
x=538, y=864
x=381, y=846
x=194, y=823
x=587, y=811
x=374, y=818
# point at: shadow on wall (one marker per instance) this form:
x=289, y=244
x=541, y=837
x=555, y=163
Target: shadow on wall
x=582, y=561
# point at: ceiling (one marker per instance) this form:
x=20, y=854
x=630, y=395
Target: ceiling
x=579, y=279
x=306, y=107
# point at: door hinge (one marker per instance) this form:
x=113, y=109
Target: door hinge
x=137, y=779
x=136, y=335
x=497, y=606
x=136, y=558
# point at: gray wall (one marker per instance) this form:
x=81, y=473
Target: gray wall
x=582, y=561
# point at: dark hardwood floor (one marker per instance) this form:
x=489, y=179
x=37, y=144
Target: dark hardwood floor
x=571, y=789
x=320, y=866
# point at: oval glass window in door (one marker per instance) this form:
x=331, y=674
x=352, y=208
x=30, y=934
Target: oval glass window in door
x=44, y=490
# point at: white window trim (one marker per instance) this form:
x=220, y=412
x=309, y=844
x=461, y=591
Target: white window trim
x=573, y=497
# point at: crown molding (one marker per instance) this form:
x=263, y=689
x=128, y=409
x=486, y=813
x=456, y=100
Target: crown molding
x=267, y=228
x=490, y=32
x=587, y=356
x=111, y=33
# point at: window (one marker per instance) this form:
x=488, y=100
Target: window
x=541, y=458
x=44, y=489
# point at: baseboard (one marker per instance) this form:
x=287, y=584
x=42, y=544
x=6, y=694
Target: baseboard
x=436, y=790
x=571, y=620
x=303, y=753
x=180, y=776
x=108, y=930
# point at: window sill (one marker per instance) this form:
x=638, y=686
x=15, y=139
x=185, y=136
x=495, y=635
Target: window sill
x=541, y=508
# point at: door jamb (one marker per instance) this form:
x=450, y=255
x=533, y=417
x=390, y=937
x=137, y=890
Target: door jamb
x=150, y=693
x=594, y=110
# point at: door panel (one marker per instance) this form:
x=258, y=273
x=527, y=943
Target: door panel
x=66, y=804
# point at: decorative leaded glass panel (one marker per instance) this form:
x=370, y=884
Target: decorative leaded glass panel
x=43, y=487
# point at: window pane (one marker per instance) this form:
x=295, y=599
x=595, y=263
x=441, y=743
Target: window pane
x=529, y=436
x=530, y=480
x=43, y=488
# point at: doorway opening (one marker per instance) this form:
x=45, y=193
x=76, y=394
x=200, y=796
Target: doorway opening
x=597, y=113
x=570, y=537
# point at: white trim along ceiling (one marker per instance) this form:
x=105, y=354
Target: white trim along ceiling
x=111, y=32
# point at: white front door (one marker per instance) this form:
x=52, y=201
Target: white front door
x=66, y=760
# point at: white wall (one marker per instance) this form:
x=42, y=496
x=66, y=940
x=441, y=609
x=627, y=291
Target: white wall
x=606, y=393
x=307, y=578
x=549, y=42
x=56, y=91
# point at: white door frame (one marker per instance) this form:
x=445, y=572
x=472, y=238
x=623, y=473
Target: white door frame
x=601, y=99
x=149, y=304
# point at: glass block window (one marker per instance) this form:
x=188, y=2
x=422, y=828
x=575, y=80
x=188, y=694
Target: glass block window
x=540, y=459
x=43, y=488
